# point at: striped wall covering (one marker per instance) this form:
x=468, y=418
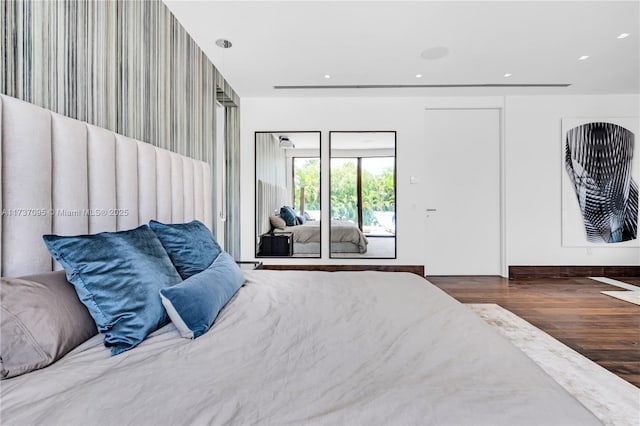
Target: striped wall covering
x=232, y=227
x=225, y=94
x=127, y=66
x=271, y=160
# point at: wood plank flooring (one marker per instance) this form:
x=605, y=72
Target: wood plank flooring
x=602, y=328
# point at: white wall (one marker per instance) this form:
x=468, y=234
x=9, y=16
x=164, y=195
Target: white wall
x=532, y=172
x=533, y=178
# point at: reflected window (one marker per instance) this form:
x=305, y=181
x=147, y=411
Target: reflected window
x=363, y=194
x=344, y=189
x=378, y=196
x=306, y=183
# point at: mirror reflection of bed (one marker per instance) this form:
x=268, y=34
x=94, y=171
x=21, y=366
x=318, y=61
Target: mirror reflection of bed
x=288, y=199
x=363, y=193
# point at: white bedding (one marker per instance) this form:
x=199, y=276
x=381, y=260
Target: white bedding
x=342, y=231
x=306, y=348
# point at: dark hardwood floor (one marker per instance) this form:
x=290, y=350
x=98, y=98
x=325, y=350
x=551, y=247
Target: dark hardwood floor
x=602, y=328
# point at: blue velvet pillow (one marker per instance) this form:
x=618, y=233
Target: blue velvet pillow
x=194, y=304
x=288, y=215
x=117, y=275
x=300, y=219
x=191, y=246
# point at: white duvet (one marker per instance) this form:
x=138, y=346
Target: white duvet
x=356, y=348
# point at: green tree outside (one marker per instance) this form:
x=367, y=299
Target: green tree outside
x=378, y=192
x=307, y=176
x=344, y=195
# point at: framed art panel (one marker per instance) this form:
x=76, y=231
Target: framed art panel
x=600, y=177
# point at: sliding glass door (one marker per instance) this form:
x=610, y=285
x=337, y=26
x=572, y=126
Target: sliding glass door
x=362, y=191
x=363, y=194
x=378, y=196
x=306, y=186
x=344, y=189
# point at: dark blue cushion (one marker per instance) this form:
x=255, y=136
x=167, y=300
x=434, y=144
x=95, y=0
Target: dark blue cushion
x=191, y=246
x=194, y=304
x=118, y=275
x=288, y=215
x=300, y=219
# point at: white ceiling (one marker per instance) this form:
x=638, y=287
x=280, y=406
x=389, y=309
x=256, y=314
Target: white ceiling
x=380, y=43
x=362, y=140
x=302, y=140
x=341, y=140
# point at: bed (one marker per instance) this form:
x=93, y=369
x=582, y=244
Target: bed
x=346, y=237
x=290, y=347
x=306, y=348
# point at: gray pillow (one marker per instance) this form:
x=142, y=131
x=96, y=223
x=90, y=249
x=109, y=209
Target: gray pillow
x=277, y=222
x=41, y=320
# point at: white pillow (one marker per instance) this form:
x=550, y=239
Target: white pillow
x=277, y=222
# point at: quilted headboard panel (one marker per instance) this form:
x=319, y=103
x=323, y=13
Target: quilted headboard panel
x=66, y=177
x=270, y=199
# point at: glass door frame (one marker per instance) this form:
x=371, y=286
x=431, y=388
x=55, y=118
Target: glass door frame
x=359, y=190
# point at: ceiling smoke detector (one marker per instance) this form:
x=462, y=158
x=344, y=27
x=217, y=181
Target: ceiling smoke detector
x=285, y=142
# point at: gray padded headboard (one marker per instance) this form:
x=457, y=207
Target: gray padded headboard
x=66, y=177
x=270, y=199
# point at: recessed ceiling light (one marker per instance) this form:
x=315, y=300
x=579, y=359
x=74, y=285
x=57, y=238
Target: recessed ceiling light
x=508, y=74
x=583, y=57
x=623, y=35
x=327, y=76
x=224, y=43
x=418, y=75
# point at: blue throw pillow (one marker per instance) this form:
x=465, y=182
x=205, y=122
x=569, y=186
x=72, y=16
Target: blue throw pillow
x=117, y=275
x=194, y=304
x=301, y=220
x=288, y=215
x=191, y=246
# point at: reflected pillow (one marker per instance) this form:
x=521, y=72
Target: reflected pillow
x=288, y=215
x=277, y=222
x=117, y=276
x=194, y=304
x=41, y=320
x=191, y=246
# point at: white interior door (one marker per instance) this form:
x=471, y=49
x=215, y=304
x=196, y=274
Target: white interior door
x=462, y=192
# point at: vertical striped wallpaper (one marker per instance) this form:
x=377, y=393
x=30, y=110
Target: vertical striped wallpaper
x=127, y=66
x=232, y=225
x=271, y=160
